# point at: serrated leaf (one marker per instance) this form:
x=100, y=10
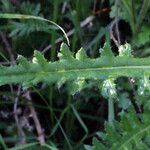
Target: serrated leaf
x=81, y=54
x=72, y=69
x=130, y=132
x=106, y=51
x=65, y=53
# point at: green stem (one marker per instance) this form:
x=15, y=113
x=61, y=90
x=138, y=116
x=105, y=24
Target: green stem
x=76, y=24
x=55, y=16
x=52, y=56
x=133, y=16
x=51, y=104
x=68, y=123
x=111, y=114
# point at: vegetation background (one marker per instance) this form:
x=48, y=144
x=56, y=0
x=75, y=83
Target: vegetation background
x=67, y=117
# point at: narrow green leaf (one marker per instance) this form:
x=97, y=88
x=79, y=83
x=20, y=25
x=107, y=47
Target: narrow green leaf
x=50, y=147
x=24, y=17
x=22, y=147
x=3, y=143
x=79, y=119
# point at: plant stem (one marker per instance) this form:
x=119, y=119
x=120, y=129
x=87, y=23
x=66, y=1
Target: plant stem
x=55, y=16
x=52, y=57
x=68, y=124
x=76, y=25
x=51, y=103
x=111, y=114
x=133, y=17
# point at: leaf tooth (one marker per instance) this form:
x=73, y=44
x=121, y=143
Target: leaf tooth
x=106, y=51
x=65, y=52
x=81, y=54
x=39, y=58
x=23, y=61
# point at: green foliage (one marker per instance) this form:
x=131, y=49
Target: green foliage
x=134, y=12
x=27, y=27
x=131, y=132
x=70, y=68
x=124, y=101
x=6, y=6
x=23, y=28
x=142, y=37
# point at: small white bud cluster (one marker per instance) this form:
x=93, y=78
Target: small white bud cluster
x=125, y=50
x=109, y=89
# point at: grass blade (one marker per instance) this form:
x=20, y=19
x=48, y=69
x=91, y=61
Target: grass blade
x=24, y=17
x=26, y=146
x=3, y=143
